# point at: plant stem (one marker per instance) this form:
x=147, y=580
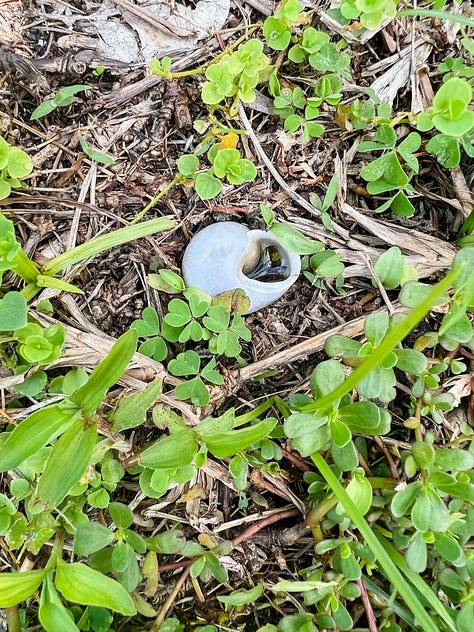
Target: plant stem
x=13, y=619
x=157, y=197
x=317, y=514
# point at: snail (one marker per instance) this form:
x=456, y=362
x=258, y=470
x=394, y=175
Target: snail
x=228, y=255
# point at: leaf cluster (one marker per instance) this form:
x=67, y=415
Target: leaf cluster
x=450, y=115
x=387, y=173
x=235, y=75
x=194, y=318
x=227, y=164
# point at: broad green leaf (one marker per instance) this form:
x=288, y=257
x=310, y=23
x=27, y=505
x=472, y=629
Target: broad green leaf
x=16, y=587
x=446, y=150
x=456, y=324
x=187, y=164
x=67, y=462
x=91, y=537
x=242, y=597
x=33, y=433
x=423, y=453
x=130, y=576
x=52, y=614
x=13, y=311
x=154, y=348
x=216, y=568
x=43, y=109
x=404, y=499
x=211, y=374
x=365, y=418
x=131, y=410
x=375, y=169
x=154, y=483
x=454, y=459
x=207, y=186
x=453, y=97
x=80, y=584
x=106, y=373
x=178, y=314
x=465, y=617
x=401, y=205
x=345, y=347
x=299, y=424
x=136, y=541
x=359, y=490
x=173, y=451
x=345, y=457
x=186, y=363
x=121, y=515
x=239, y=468
x=450, y=579
x=389, y=268
x=120, y=557
x=375, y=327
x=293, y=240
x=411, y=361
x=326, y=376
x=167, y=543
x=417, y=553
x=166, y=281
x=340, y=433
x=449, y=548
x=464, y=283
x=148, y=324
x=63, y=96
x=227, y=443
x=414, y=292
x=408, y=146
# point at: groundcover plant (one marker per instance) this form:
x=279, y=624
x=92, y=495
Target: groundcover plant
x=168, y=461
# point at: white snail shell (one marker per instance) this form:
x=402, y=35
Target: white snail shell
x=219, y=256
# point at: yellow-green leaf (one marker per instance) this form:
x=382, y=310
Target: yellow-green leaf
x=16, y=587
x=33, y=433
x=52, y=614
x=67, y=462
x=224, y=444
x=101, y=243
x=106, y=373
x=80, y=584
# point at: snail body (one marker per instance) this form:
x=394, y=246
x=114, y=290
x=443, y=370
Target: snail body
x=228, y=255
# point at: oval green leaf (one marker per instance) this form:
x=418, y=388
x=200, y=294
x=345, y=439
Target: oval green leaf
x=80, y=584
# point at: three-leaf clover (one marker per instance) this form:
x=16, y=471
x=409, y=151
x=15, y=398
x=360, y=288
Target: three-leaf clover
x=226, y=342
x=189, y=363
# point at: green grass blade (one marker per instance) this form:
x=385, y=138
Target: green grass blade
x=104, y=242
x=441, y=15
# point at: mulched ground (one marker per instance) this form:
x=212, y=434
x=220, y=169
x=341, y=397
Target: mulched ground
x=142, y=122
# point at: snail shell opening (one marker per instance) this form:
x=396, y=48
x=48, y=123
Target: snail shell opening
x=221, y=256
